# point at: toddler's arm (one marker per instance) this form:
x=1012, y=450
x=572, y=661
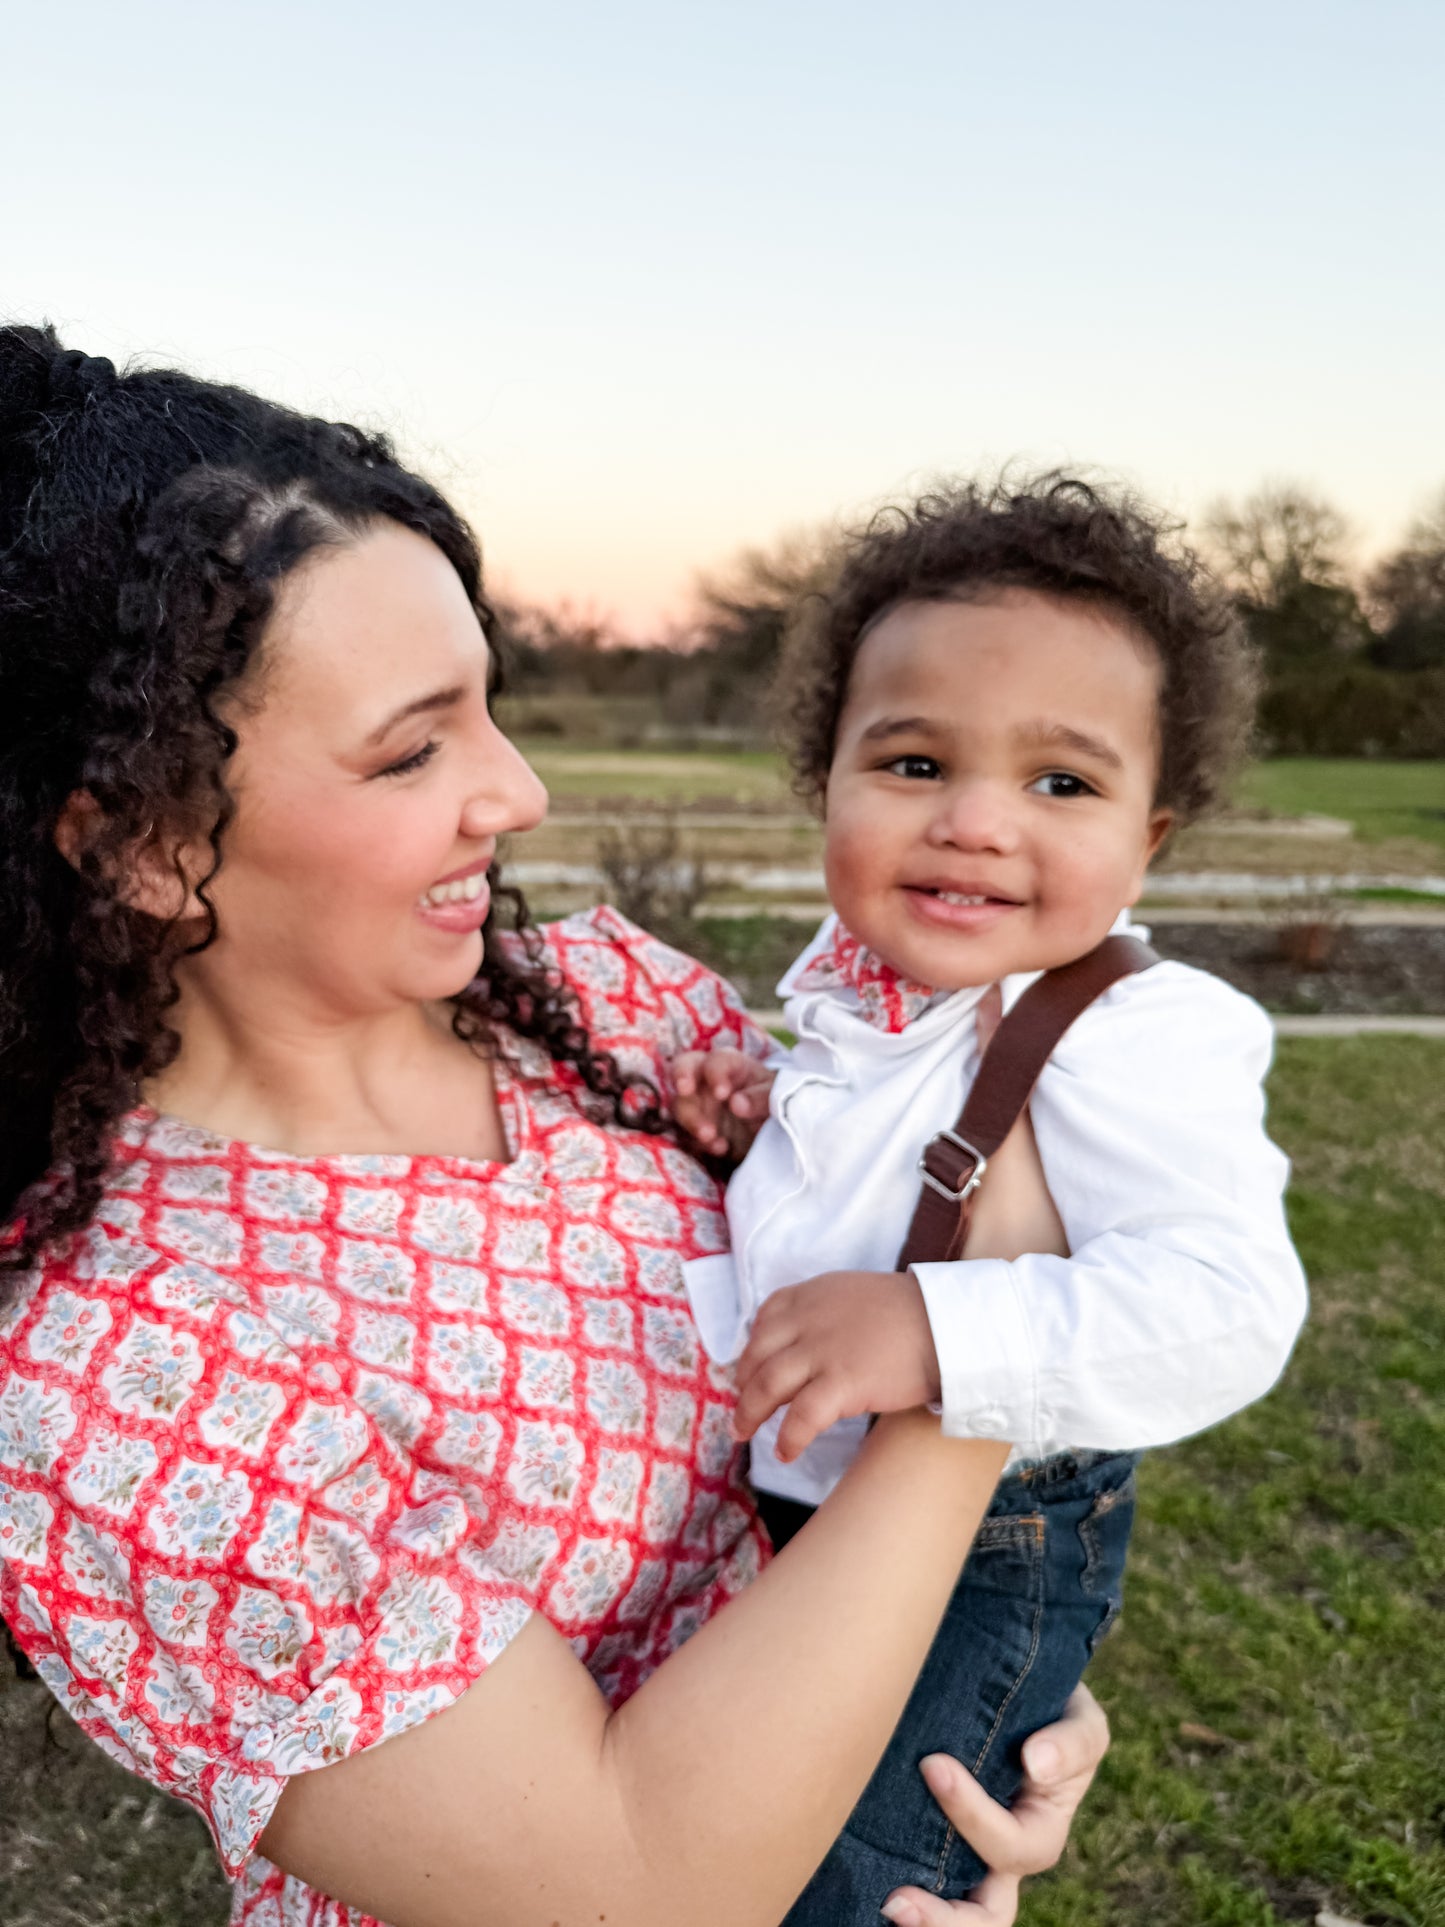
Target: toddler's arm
x=722, y=1099
x=852, y=1342
x=1183, y=1296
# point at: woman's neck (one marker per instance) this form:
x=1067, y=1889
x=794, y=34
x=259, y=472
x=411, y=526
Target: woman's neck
x=313, y=1082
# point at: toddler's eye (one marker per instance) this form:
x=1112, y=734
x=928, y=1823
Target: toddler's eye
x=1059, y=782
x=409, y=763
x=923, y=769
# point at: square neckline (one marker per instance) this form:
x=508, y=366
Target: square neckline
x=518, y=1132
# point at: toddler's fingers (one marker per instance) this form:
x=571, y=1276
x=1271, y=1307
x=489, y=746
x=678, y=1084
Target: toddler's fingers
x=774, y=1382
x=724, y=1070
x=697, y=1118
x=770, y=1335
x=685, y=1070
x=719, y=1081
x=818, y=1405
x=751, y=1100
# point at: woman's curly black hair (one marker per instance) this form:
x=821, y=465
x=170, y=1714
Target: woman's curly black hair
x=146, y=521
x=1062, y=537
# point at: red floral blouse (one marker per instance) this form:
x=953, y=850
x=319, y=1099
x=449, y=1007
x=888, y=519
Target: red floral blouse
x=290, y=1447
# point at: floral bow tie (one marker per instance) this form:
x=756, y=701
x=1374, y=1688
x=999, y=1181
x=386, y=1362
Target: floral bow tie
x=890, y=1001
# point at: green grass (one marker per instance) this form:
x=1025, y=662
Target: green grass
x=660, y=776
x=1288, y=1580
x=1287, y=1591
x=1384, y=801
x=1381, y=799
x=1422, y=899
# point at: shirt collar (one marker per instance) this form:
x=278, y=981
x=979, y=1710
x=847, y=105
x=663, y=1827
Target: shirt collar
x=839, y=961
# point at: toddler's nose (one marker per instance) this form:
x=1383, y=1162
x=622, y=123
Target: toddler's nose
x=976, y=816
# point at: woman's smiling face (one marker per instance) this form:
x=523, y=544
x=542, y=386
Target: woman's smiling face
x=371, y=786
x=990, y=801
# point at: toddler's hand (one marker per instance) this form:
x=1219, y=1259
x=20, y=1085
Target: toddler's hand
x=722, y=1099
x=843, y=1344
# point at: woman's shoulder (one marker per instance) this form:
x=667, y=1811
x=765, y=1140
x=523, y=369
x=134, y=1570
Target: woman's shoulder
x=638, y=995
x=588, y=943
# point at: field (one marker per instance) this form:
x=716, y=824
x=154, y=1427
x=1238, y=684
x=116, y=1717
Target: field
x=737, y=777
x=1381, y=799
x=1383, y=820
x=1277, y=1685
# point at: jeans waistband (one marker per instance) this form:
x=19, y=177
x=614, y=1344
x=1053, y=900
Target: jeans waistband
x=1065, y=1477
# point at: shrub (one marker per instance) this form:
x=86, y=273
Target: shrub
x=649, y=879
x=1354, y=709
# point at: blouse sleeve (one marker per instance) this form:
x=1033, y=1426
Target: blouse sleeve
x=220, y=1563
x=645, y=1002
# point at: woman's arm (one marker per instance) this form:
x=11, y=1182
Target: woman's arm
x=725, y=1778
x=718, y=1786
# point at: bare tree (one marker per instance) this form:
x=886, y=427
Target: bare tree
x=651, y=879
x=1406, y=592
x=1278, y=537
x=743, y=612
x=1283, y=552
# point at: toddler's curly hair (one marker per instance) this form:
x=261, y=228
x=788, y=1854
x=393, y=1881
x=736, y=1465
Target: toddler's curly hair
x=1059, y=536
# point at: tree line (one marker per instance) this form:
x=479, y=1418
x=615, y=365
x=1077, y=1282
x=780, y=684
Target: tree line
x=1354, y=660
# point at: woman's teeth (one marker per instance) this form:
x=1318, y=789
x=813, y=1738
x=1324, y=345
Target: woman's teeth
x=463, y=890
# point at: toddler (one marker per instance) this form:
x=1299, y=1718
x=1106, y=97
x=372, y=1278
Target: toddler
x=1004, y=705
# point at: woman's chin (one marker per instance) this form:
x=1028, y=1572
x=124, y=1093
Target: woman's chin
x=446, y=977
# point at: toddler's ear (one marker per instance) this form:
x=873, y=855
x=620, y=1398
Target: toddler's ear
x=1161, y=822
x=154, y=872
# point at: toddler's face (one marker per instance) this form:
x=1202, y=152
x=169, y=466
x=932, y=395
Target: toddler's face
x=990, y=801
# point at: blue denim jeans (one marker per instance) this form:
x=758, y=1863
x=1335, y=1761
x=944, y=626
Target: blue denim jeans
x=1040, y=1589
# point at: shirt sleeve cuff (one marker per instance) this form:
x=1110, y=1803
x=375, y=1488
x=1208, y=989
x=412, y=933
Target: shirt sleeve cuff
x=986, y=1368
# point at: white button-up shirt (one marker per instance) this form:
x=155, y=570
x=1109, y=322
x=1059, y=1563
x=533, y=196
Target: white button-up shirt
x=1183, y=1296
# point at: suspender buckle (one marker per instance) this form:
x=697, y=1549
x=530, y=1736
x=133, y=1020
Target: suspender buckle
x=938, y=1180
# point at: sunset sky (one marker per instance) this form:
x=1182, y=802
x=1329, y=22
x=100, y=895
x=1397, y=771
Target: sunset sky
x=641, y=284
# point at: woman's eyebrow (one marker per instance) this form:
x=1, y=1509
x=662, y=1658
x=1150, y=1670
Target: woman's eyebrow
x=1065, y=736
x=438, y=699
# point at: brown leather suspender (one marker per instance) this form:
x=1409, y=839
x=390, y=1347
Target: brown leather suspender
x=954, y=1162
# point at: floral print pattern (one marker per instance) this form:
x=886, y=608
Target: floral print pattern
x=290, y=1448
x=69, y=1331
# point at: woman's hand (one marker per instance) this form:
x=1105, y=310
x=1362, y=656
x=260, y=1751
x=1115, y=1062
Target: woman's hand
x=1059, y=1765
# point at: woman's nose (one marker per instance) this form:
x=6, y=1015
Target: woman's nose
x=509, y=794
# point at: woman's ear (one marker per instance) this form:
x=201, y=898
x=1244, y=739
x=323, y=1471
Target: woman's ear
x=155, y=871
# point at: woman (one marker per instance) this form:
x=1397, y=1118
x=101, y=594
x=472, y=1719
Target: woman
x=347, y=1391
